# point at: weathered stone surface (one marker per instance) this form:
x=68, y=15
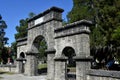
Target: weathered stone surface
x=42, y=25
x=104, y=73
x=60, y=69
x=48, y=25
x=50, y=64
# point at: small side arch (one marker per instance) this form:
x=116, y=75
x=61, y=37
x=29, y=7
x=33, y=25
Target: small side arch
x=22, y=62
x=69, y=52
x=22, y=55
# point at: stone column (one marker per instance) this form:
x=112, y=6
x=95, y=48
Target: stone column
x=31, y=66
x=82, y=65
x=20, y=65
x=50, y=64
x=60, y=68
x=83, y=57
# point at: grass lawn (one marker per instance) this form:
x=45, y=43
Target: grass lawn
x=42, y=66
x=1, y=77
x=72, y=69
x=5, y=72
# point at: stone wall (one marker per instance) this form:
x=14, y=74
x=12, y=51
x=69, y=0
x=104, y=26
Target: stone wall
x=8, y=68
x=103, y=75
x=21, y=46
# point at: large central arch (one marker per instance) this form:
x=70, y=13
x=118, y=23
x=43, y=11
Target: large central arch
x=36, y=43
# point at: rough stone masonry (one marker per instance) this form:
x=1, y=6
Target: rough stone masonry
x=48, y=25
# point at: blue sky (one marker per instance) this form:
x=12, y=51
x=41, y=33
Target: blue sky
x=14, y=10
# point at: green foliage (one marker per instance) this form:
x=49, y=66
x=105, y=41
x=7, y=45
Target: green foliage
x=42, y=47
x=31, y=14
x=108, y=18
x=3, y=40
x=64, y=22
x=14, y=47
x=97, y=38
x=42, y=66
x=4, y=55
x=116, y=36
x=3, y=26
x=82, y=9
x=14, y=50
x=21, y=29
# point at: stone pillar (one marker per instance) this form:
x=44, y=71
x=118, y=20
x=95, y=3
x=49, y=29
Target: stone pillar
x=83, y=57
x=20, y=65
x=82, y=65
x=60, y=68
x=31, y=66
x=50, y=64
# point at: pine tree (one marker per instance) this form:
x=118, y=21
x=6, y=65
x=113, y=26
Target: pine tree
x=21, y=29
x=3, y=39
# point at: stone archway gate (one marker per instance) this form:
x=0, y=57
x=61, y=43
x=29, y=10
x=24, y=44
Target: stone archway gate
x=49, y=25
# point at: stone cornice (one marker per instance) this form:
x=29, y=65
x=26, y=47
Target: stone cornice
x=31, y=53
x=20, y=59
x=50, y=51
x=21, y=44
x=71, y=34
x=21, y=39
x=72, y=25
x=62, y=58
x=45, y=12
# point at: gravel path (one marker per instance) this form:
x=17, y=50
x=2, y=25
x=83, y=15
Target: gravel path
x=21, y=77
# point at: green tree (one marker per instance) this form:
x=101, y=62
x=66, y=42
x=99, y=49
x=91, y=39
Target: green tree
x=3, y=39
x=4, y=55
x=21, y=29
x=108, y=13
x=105, y=14
x=85, y=9
x=31, y=14
x=116, y=36
x=14, y=49
x=42, y=47
x=82, y=9
x=97, y=39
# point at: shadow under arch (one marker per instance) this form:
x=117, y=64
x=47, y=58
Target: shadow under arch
x=39, y=46
x=22, y=55
x=69, y=52
x=22, y=62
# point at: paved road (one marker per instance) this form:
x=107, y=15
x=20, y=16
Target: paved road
x=21, y=77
